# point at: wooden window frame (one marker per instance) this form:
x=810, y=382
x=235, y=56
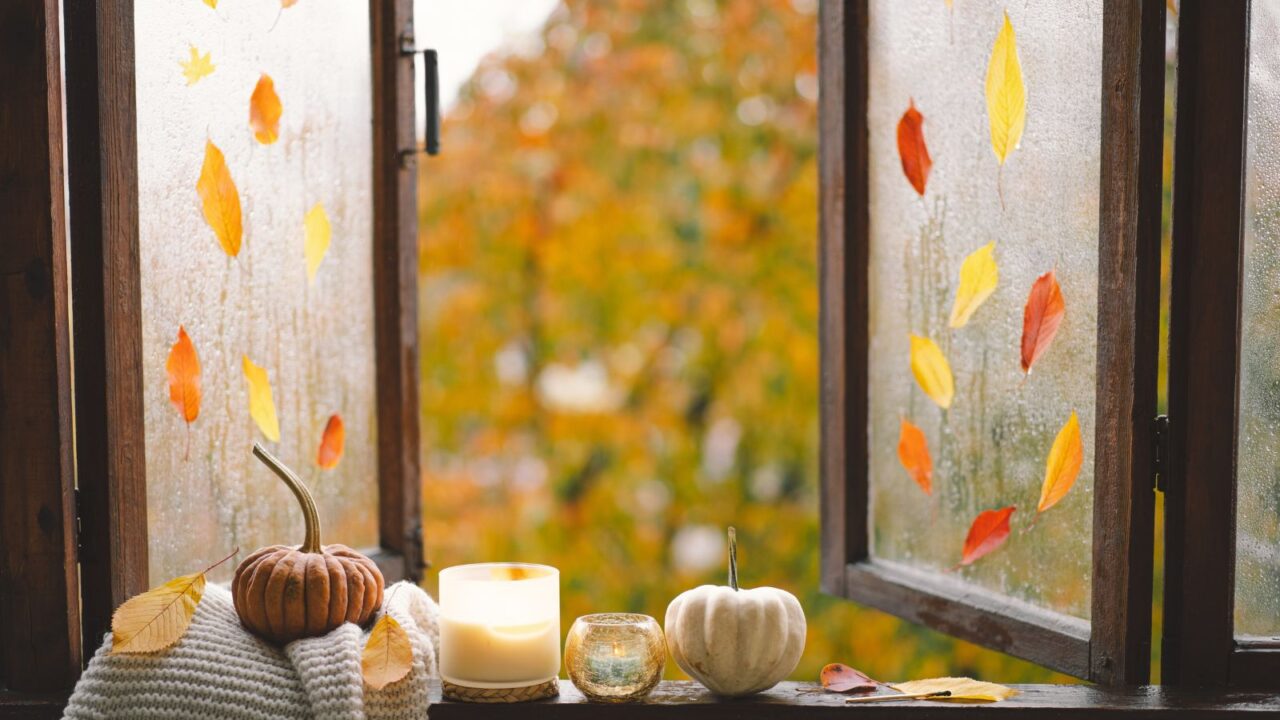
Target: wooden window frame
x=106, y=302
x=1113, y=648
x=1199, y=646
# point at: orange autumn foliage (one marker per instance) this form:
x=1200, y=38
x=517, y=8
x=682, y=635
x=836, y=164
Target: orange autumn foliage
x=183, y=367
x=913, y=452
x=220, y=200
x=331, y=443
x=916, y=162
x=1041, y=318
x=988, y=532
x=265, y=111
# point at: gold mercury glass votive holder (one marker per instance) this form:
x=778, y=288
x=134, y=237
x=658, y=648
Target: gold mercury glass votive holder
x=615, y=657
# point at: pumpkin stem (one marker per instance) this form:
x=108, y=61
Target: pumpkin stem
x=311, y=543
x=733, y=559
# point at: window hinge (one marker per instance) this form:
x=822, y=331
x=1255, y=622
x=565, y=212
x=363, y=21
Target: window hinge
x=430, y=93
x=1160, y=466
x=75, y=528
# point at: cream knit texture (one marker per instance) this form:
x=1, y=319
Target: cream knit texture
x=220, y=670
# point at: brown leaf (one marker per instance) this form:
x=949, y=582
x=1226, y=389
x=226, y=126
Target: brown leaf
x=1041, y=318
x=220, y=200
x=916, y=162
x=913, y=452
x=265, y=110
x=988, y=532
x=331, y=443
x=838, y=677
x=388, y=655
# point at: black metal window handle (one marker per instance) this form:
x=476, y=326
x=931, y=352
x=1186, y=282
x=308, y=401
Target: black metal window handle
x=431, y=96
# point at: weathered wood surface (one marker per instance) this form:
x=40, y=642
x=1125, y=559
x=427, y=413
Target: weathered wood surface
x=805, y=700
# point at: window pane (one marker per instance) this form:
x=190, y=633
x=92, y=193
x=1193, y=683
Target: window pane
x=313, y=337
x=1258, y=457
x=962, y=70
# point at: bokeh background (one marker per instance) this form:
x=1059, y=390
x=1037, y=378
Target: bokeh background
x=619, y=312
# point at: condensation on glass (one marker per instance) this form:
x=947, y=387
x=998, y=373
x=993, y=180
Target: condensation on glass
x=989, y=449
x=315, y=339
x=1257, y=611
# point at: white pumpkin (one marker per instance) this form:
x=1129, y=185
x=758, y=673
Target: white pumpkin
x=734, y=641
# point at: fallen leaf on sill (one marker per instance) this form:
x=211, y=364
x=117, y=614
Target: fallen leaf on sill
x=932, y=371
x=331, y=443
x=159, y=617
x=838, y=677
x=988, y=532
x=387, y=656
x=964, y=690
x=913, y=453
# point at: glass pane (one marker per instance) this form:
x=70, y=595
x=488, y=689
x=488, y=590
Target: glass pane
x=313, y=336
x=1258, y=456
x=974, y=81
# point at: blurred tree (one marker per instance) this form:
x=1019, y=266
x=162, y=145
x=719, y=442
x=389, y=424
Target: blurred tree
x=619, y=319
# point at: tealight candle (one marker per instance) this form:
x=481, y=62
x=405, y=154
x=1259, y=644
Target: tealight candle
x=499, y=631
x=615, y=657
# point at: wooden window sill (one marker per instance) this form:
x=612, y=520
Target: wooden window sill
x=801, y=700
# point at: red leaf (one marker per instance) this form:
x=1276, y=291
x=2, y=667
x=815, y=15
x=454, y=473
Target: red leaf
x=913, y=453
x=988, y=532
x=331, y=443
x=838, y=677
x=1041, y=318
x=916, y=162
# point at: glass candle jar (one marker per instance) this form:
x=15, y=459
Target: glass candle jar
x=615, y=657
x=499, y=625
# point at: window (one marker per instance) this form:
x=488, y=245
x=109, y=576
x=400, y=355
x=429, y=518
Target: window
x=1074, y=206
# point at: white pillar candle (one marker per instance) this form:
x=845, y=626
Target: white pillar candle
x=499, y=624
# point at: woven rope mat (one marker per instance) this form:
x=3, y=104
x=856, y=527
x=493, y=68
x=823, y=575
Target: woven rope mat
x=548, y=689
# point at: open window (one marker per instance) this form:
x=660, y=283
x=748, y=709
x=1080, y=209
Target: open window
x=936, y=371
x=238, y=193
x=1222, y=597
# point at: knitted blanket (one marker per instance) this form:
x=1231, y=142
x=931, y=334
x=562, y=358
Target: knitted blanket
x=220, y=670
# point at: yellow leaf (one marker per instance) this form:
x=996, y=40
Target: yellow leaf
x=932, y=370
x=212, y=3
x=262, y=408
x=197, y=67
x=317, y=230
x=387, y=655
x=962, y=689
x=978, y=278
x=1006, y=96
x=220, y=200
x=156, y=619
x=1063, y=465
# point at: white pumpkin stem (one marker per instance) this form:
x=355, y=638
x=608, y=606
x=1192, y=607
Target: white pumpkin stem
x=733, y=558
x=311, y=542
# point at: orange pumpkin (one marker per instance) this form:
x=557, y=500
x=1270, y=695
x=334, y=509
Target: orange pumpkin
x=286, y=592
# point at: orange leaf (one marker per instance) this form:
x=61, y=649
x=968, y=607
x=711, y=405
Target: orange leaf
x=916, y=162
x=913, y=451
x=838, y=677
x=1063, y=465
x=265, y=110
x=988, y=532
x=1041, y=318
x=183, y=367
x=220, y=200
x=331, y=442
